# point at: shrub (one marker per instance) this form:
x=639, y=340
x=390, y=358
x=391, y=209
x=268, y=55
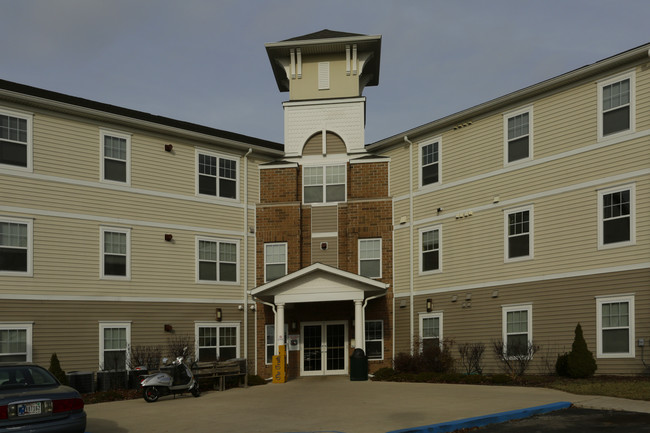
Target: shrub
x=56, y=370
x=562, y=365
x=385, y=373
x=515, y=359
x=471, y=356
x=144, y=356
x=580, y=362
x=427, y=358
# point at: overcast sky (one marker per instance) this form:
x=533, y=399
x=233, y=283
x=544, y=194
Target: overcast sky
x=205, y=62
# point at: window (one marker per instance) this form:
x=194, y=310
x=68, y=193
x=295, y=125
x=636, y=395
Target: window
x=370, y=258
x=616, y=217
x=15, y=140
x=519, y=234
x=269, y=331
x=430, y=329
x=430, y=162
x=275, y=261
x=217, y=260
x=430, y=245
x=517, y=329
x=518, y=135
x=16, y=247
x=216, y=175
x=217, y=341
x=114, y=341
x=323, y=75
x=332, y=177
x=15, y=342
x=116, y=253
x=615, y=322
x=375, y=339
x=116, y=149
x=616, y=105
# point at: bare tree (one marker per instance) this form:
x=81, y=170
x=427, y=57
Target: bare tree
x=515, y=358
x=471, y=356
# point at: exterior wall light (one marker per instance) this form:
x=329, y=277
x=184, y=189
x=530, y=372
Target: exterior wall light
x=169, y=237
x=429, y=305
x=168, y=147
x=219, y=315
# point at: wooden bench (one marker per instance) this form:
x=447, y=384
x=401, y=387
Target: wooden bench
x=216, y=373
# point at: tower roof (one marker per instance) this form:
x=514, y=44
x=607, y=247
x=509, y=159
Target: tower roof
x=324, y=42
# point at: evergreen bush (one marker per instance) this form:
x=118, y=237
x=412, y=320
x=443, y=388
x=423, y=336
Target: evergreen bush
x=55, y=369
x=580, y=362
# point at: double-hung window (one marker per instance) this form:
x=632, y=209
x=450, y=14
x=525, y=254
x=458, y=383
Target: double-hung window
x=116, y=150
x=615, y=326
x=375, y=339
x=269, y=336
x=616, y=105
x=517, y=329
x=216, y=175
x=217, y=341
x=430, y=329
x=217, y=260
x=324, y=184
x=430, y=162
x=15, y=140
x=616, y=216
x=114, y=343
x=518, y=135
x=370, y=258
x=275, y=261
x=16, y=247
x=430, y=250
x=15, y=342
x=519, y=234
x=116, y=253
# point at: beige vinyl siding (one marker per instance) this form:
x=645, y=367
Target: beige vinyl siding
x=324, y=219
x=67, y=263
x=314, y=145
x=71, y=328
x=340, y=84
x=328, y=256
x=334, y=144
x=401, y=279
x=557, y=307
x=642, y=98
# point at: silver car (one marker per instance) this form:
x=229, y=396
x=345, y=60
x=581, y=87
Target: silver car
x=32, y=400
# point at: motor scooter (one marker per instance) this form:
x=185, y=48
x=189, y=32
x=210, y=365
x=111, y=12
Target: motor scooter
x=180, y=380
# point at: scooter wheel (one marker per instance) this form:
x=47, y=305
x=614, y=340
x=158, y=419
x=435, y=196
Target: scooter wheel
x=195, y=391
x=150, y=394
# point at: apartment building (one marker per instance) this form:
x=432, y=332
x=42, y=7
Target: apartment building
x=510, y=221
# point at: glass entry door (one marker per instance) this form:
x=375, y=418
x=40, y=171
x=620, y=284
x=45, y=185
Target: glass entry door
x=324, y=348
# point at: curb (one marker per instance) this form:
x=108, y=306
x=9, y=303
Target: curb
x=480, y=421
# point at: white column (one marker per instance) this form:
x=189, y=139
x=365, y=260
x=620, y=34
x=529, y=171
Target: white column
x=279, y=327
x=358, y=324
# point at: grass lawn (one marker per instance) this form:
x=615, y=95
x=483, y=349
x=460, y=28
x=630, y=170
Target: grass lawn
x=636, y=388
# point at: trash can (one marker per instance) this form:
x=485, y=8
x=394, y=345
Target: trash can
x=358, y=365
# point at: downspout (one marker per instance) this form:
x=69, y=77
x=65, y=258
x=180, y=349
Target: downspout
x=411, y=314
x=246, y=253
x=275, y=333
x=365, y=304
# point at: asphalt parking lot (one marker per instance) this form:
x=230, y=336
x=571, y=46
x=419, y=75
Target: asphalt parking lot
x=333, y=404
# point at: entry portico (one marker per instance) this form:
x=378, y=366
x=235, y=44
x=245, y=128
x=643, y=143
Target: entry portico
x=324, y=300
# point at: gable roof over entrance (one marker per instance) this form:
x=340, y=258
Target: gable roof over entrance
x=318, y=283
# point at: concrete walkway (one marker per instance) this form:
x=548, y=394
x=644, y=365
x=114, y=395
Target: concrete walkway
x=329, y=404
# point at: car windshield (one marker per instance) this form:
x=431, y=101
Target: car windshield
x=20, y=376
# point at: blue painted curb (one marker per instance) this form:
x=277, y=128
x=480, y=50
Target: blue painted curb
x=480, y=421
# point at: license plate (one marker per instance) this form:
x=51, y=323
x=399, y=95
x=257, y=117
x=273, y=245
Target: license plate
x=28, y=409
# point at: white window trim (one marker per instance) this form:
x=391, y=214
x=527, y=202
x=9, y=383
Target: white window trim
x=359, y=260
x=217, y=325
x=266, y=345
x=631, y=75
x=506, y=117
x=29, y=117
x=217, y=240
x=420, y=146
x=531, y=237
x=382, y=339
x=601, y=193
x=30, y=246
x=219, y=156
x=600, y=300
x=127, y=231
x=420, y=233
x=505, y=309
x=286, y=257
x=123, y=135
x=108, y=324
x=29, y=328
x=324, y=184
x=434, y=314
